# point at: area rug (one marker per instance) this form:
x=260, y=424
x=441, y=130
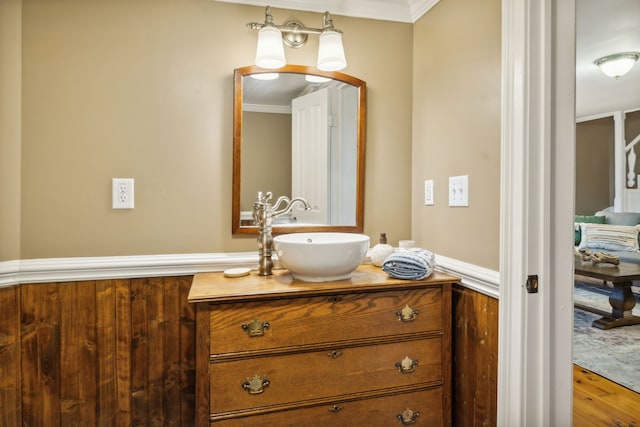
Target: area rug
x=614, y=353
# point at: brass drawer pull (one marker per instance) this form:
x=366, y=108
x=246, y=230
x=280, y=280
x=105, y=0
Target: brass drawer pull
x=408, y=417
x=334, y=354
x=255, y=385
x=335, y=409
x=406, y=366
x=255, y=328
x=407, y=314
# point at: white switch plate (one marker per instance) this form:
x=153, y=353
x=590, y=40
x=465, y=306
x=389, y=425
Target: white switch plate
x=122, y=193
x=459, y=190
x=428, y=192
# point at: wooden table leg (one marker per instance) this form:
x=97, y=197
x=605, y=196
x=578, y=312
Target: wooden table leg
x=622, y=302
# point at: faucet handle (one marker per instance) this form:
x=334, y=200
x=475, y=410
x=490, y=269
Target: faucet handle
x=264, y=198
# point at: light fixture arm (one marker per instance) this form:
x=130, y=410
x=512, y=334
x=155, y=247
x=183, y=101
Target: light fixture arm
x=295, y=27
x=327, y=23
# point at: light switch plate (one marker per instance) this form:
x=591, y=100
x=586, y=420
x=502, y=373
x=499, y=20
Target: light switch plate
x=428, y=192
x=459, y=190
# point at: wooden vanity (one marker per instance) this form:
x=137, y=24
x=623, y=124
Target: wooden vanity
x=370, y=351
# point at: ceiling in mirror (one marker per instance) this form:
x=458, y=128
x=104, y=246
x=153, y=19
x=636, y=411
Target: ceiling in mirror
x=276, y=93
x=300, y=133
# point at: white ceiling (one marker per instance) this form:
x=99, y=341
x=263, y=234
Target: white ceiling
x=603, y=27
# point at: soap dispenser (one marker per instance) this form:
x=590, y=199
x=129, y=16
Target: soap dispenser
x=381, y=251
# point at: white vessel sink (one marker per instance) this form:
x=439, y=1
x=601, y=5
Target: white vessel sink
x=321, y=257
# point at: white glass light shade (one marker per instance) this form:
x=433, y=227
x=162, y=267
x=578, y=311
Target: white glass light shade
x=316, y=79
x=617, y=65
x=265, y=76
x=330, y=52
x=270, y=52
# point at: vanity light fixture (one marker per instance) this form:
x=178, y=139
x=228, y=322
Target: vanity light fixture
x=618, y=64
x=270, y=51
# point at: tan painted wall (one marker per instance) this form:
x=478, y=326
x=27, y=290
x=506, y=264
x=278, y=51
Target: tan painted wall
x=143, y=89
x=261, y=163
x=456, y=128
x=10, y=116
x=594, y=166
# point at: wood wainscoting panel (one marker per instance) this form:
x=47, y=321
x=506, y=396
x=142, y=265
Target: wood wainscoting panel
x=41, y=351
x=10, y=399
x=475, y=360
x=78, y=369
x=107, y=398
x=103, y=353
x=122, y=353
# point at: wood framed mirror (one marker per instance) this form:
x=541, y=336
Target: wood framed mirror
x=299, y=132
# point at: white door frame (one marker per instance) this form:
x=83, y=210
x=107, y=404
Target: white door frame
x=537, y=194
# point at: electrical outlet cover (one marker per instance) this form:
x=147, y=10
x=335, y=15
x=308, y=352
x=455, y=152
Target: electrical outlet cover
x=122, y=193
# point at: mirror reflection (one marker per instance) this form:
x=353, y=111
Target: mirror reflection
x=299, y=133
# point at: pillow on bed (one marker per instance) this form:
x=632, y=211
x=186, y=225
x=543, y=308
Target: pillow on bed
x=610, y=237
x=582, y=219
x=620, y=218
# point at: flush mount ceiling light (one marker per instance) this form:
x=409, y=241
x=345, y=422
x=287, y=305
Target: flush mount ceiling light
x=618, y=64
x=270, y=52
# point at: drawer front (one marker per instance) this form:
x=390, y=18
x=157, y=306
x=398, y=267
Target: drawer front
x=300, y=377
x=380, y=411
x=245, y=327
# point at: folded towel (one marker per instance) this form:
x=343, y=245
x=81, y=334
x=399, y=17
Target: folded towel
x=411, y=264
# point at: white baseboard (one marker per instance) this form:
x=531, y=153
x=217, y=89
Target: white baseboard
x=51, y=270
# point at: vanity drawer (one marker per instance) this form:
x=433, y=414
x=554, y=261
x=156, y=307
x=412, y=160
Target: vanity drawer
x=308, y=376
x=374, y=412
x=299, y=322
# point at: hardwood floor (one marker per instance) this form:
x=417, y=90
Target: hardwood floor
x=600, y=402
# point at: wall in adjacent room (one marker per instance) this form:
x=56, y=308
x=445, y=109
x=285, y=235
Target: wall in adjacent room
x=595, y=161
x=594, y=165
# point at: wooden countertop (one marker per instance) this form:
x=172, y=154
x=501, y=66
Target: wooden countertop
x=215, y=287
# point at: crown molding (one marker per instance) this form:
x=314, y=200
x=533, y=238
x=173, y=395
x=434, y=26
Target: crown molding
x=417, y=8
x=408, y=11
x=262, y=108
